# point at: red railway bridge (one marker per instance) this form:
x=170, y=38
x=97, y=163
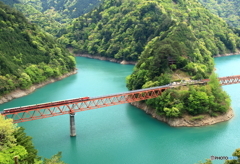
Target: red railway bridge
x=51, y=109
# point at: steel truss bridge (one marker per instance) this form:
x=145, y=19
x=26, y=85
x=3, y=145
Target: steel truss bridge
x=39, y=111
x=51, y=109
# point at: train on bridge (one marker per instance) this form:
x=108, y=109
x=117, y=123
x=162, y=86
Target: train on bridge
x=78, y=100
x=44, y=105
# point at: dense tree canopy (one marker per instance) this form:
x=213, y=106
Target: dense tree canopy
x=192, y=100
x=56, y=159
x=229, y=10
x=26, y=141
x=28, y=55
x=15, y=143
x=8, y=146
x=121, y=30
x=52, y=15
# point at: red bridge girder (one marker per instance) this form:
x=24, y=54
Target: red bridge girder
x=39, y=111
x=227, y=80
x=51, y=109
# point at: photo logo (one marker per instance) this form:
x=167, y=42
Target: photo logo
x=223, y=157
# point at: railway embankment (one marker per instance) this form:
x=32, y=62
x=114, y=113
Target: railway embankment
x=23, y=92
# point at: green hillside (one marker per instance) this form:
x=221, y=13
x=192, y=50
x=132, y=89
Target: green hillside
x=52, y=15
x=229, y=10
x=172, y=40
x=27, y=54
x=121, y=29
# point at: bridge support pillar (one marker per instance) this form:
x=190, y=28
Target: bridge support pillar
x=72, y=125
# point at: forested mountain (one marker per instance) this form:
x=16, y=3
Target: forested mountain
x=229, y=10
x=10, y=2
x=27, y=54
x=172, y=40
x=121, y=29
x=52, y=15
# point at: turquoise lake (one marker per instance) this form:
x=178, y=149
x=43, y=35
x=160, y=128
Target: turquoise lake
x=124, y=134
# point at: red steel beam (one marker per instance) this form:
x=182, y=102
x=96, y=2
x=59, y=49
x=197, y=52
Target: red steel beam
x=39, y=111
x=227, y=80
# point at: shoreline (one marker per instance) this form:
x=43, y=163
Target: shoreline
x=228, y=54
x=134, y=63
x=20, y=92
x=185, y=121
x=107, y=59
x=174, y=122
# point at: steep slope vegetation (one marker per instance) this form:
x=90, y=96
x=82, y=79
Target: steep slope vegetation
x=27, y=54
x=15, y=143
x=10, y=2
x=121, y=29
x=52, y=15
x=172, y=40
x=229, y=10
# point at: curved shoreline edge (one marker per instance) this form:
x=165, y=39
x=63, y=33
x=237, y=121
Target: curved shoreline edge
x=185, y=120
x=133, y=62
x=20, y=92
x=228, y=54
x=175, y=122
x=106, y=59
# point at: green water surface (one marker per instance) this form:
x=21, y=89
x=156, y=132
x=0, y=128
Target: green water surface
x=123, y=134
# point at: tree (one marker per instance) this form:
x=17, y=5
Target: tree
x=26, y=141
x=25, y=81
x=8, y=145
x=222, y=100
x=54, y=159
x=171, y=112
x=214, y=82
x=198, y=103
x=14, y=142
x=236, y=154
x=208, y=161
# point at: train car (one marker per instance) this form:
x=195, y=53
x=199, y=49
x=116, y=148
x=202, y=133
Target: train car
x=44, y=105
x=71, y=101
x=22, y=108
x=28, y=107
x=79, y=99
x=41, y=105
x=55, y=103
x=17, y=109
x=85, y=98
x=63, y=102
x=9, y=110
x=48, y=104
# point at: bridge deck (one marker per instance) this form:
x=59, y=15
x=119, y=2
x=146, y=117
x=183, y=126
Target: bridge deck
x=51, y=109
